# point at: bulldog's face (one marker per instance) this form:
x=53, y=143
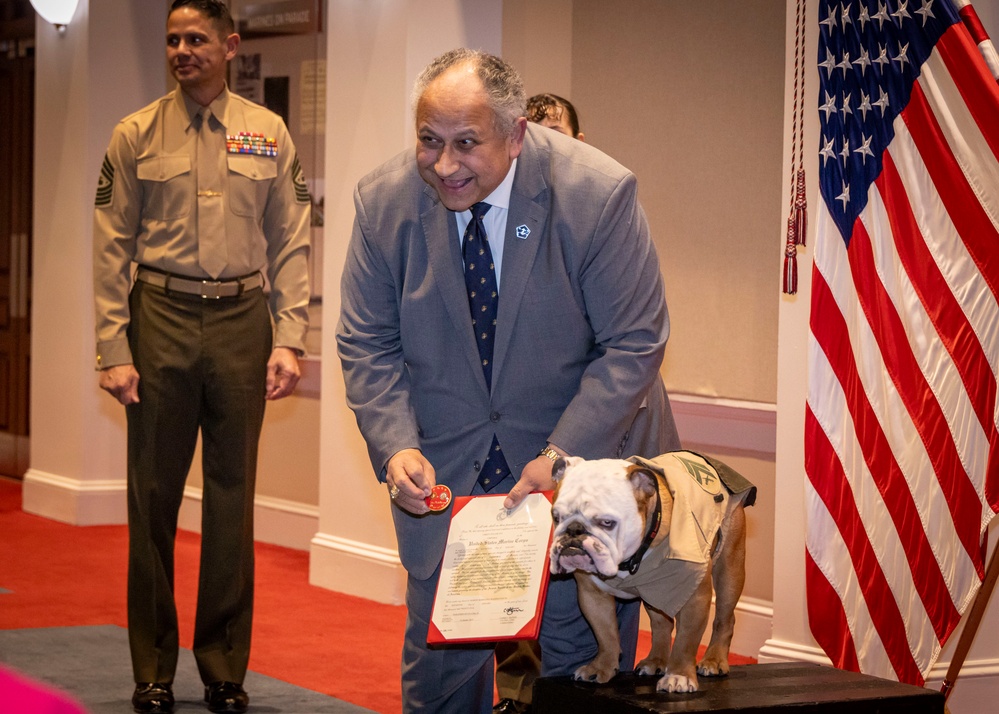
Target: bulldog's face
x=599, y=512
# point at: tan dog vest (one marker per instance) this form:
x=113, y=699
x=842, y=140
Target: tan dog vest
x=704, y=493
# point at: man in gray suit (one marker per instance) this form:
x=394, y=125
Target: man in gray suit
x=569, y=366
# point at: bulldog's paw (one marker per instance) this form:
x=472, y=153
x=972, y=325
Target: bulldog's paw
x=594, y=672
x=713, y=667
x=677, y=683
x=651, y=666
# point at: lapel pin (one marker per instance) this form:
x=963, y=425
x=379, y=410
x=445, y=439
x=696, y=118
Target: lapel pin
x=523, y=231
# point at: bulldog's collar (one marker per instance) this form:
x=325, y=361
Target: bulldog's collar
x=635, y=561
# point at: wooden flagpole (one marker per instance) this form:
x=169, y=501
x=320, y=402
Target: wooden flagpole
x=971, y=626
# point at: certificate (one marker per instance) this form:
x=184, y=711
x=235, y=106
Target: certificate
x=495, y=571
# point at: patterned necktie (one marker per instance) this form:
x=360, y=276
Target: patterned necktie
x=212, y=252
x=483, y=299
x=480, y=280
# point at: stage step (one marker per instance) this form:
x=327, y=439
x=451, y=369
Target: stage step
x=783, y=687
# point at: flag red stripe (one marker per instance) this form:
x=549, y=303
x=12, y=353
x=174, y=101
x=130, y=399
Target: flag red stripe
x=939, y=302
x=951, y=324
x=830, y=332
x=913, y=389
x=836, y=494
x=974, y=25
x=828, y=618
x=971, y=221
x=965, y=210
x=974, y=81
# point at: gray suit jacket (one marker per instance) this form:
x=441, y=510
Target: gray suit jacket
x=581, y=326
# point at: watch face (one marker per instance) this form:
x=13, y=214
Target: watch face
x=439, y=498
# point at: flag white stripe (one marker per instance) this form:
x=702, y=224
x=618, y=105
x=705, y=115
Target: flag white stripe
x=825, y=389
x=974, y=298
x=831, y=555
x=981, y=169
x=938, y=368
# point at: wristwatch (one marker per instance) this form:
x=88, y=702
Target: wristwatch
x=550, y=453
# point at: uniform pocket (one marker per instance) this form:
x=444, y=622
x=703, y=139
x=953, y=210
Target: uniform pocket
x=250, y=180
x=168, y=186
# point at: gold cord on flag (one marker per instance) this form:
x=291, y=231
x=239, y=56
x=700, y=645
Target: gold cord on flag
x=797, y=219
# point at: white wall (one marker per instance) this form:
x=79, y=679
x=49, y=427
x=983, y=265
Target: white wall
x=374, y=52
x=83, y=85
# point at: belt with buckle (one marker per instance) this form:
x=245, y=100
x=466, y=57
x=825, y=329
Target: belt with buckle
x=208, y=289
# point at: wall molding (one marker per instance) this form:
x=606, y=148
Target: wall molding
x=74, y=501
x=357, y=568
x=729, y=425
x=276, y=521
x=103, y=502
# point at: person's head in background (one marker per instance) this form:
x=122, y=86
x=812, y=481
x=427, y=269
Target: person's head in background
x=554, y=112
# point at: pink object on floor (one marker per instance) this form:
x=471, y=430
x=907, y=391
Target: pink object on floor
x=21, y=695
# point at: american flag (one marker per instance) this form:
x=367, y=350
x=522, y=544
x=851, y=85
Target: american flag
x=900, y=422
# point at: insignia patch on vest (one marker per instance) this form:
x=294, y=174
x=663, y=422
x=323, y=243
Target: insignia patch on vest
x=105, y=184
x=298, y=178
x=702, y=474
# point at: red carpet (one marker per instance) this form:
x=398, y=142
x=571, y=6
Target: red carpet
x=343, y=646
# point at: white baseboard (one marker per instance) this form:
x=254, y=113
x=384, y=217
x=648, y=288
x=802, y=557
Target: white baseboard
x=358, y=569
x=79, y=503
x=92, y=503
x=275, y=521
x=753, y=625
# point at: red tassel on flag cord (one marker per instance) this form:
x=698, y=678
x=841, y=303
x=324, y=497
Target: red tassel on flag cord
x=797, y=220
x=799, y=212
x=791, y=259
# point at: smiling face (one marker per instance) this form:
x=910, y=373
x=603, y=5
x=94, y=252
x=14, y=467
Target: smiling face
x=198, y=53
x=460, y=151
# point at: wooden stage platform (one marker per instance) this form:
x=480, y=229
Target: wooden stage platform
x=779, y=688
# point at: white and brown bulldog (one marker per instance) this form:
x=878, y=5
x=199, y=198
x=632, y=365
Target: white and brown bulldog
x=662, y=530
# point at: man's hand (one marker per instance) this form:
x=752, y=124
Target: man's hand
x=410, y=472
x=283, y=373
x=537, y=476
x=121, y=382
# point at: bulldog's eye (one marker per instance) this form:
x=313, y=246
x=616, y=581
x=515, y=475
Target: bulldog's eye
x=555, y=518
x=608, y=524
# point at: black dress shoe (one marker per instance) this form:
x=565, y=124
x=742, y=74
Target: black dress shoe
x=511, y=706
x=152, y=698
x=226, y=697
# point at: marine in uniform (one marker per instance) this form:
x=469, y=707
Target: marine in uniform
x=200, y=193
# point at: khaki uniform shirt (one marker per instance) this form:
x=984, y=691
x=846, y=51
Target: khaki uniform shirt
x=146, y=212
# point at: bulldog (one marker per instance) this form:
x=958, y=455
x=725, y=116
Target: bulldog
x=661, y=530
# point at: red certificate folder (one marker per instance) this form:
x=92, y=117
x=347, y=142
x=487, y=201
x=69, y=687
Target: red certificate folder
x=494, y=577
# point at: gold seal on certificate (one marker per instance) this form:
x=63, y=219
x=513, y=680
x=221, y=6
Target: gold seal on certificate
x=494, y=575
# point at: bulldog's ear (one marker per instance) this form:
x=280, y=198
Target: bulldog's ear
x=643, y=480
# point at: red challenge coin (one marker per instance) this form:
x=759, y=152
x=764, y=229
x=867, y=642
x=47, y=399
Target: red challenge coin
x=439, y=498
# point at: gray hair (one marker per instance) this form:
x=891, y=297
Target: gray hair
x=502, y=83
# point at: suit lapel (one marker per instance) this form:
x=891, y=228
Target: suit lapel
x=441, y=235
x=529, y=206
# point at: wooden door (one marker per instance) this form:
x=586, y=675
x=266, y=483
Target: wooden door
x=17, y=71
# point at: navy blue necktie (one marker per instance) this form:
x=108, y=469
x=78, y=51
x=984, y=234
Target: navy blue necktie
x=483, y=299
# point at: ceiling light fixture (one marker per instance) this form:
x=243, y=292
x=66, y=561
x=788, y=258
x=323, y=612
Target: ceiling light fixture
x=58, y=12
